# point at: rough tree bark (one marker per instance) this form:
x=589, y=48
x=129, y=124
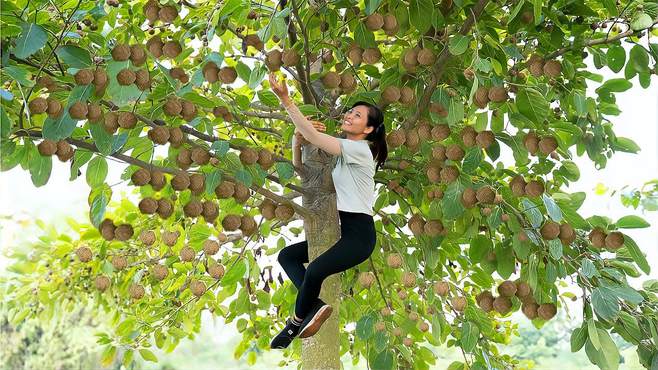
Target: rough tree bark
x=322, y=351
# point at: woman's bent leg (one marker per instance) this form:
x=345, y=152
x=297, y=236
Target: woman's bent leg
x=355, y=246
x=292, y=259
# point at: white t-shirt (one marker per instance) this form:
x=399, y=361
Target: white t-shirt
x=353, y=177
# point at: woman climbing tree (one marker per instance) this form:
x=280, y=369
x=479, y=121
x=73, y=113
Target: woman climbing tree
x=353, y=176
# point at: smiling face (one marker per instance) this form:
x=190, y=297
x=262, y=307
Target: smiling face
x=355, y=123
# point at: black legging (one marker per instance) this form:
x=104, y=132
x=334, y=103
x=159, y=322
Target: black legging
x=356, y=244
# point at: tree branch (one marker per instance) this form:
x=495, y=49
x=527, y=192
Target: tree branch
x=134, y=161
x=600, y=41
x=439, y=66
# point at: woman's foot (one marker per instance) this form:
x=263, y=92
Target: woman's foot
x=314, y=319
x=286, y=335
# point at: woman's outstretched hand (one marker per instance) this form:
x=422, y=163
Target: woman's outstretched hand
x=279, y=88
x=300, y=139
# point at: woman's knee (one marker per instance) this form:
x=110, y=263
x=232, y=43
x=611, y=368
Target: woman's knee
x=314, y=272
x=284, y=255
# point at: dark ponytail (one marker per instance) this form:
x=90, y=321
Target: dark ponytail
x=377, y=137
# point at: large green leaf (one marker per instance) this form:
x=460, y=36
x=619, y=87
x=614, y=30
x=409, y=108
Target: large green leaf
x=40, y=168
x=383, y=360
x=420, y=14
x=636, y=254
x=605, y=303
x=458, y=44
x=640, y=21
x=96, y=171
x=480, y=246
x=74, y=56
x=470, y=334
x=451, y=202
x=365, y=326
x=32, y=38
x=632, y=222
x=532, y=105
x=234, y=273
x=616, y=56
x=615, y=85
x=552, y=208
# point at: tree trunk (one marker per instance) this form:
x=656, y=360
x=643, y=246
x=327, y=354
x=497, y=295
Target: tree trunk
x=322, y=351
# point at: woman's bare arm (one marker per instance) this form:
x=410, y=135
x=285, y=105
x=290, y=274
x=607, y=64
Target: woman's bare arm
x=296, y=152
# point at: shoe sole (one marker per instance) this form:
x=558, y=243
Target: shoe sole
x=316, y=322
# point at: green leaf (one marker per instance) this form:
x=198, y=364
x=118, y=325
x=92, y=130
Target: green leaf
x=128, y=358
x=470, y=335
x=148, y=355
x=587, y=268
x=220, y=147
x=609, y=351
x=636, y=254
x=97, y=208
x=504, y=260
x=420, y=14
x=614, y=85
x=257, y=75
x=472, y=159
x=268, y=98
x=605, y=304
x=532, y=213
x=616, y=56
x=74, y=56
x=102, y=138
x=5, y=123
x=632, y=222
x=234, y=273
x=32, y=38
x=624, y=144
x=580, y=104
x=640, y=21
x=532, y=105
x=578, y=338
x=383, y=361
x=284, y=170
x=555, y=248
x=552, y=208
x=451, y=202
x=455, y=111
x=107, y=357
x=639, y=59
x=537, y=11
x=480, y=246
x=19, y=74
x=611, y=7
x=458, y=44
x=365, y=326
x=631, y=324
x=363, y=36
x=40, y=168
x=593, y=334
x=229, y=7
x=212, y=180
x=244, y=177
x=96, y=171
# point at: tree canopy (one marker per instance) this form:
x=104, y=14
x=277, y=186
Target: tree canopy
x=175, y=92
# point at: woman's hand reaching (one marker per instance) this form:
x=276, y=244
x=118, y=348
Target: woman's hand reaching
x=301, y=140
x=279, y=88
